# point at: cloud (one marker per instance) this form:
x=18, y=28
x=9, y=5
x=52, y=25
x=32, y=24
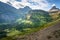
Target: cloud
x=18, y=0
x=34, y=4
x=13, y=3
x=53, y=4
x=4, y=0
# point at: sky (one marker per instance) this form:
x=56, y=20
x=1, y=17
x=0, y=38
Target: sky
x=34, y=4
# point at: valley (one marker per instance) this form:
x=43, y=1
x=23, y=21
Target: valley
x=28, y=24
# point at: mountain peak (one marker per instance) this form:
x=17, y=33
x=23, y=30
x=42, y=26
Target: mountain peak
x=54, y=8
x=27, y=7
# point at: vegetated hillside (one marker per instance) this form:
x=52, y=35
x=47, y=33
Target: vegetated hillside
x=33, y=20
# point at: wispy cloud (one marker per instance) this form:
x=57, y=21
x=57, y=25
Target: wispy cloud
x=4, y=0
x=53, y=5
x=34, y=4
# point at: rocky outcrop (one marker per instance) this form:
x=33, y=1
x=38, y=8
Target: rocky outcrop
x=54, y=9
x=54, y=12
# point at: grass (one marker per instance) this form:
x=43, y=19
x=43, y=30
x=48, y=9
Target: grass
x=48, y=25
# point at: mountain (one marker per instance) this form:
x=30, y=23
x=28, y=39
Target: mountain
x=25, y=9
x=38, y=17
x=7, y=13
x=20, y=21
x=55, y=12
x=10, y=14
x=34, y=19
x=54, y=9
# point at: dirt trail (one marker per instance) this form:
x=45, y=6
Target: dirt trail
x=50, y=33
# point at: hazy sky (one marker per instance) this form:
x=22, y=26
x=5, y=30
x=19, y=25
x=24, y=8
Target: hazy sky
x=34, y=4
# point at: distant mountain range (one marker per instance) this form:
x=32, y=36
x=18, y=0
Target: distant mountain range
x=10, y=14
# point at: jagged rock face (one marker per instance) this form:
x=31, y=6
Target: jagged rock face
x=54, y=12
x=54, y=9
